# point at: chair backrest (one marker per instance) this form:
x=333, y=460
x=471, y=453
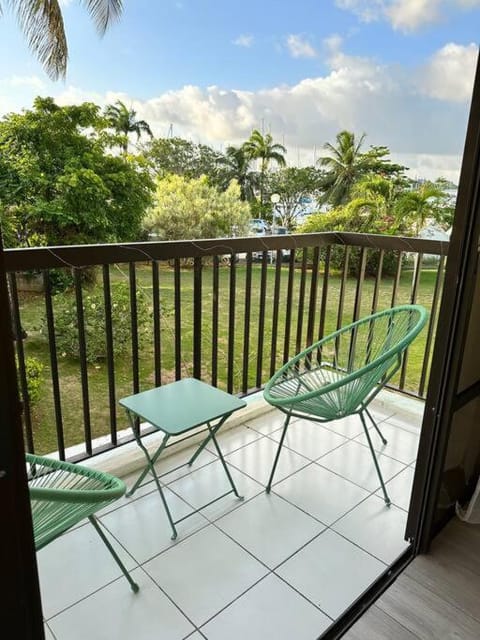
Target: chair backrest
x=337, y=375
x=62, y=494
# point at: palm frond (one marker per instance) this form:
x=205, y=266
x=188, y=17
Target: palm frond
x=41, y=21
x=42, y=24
x=103, y=12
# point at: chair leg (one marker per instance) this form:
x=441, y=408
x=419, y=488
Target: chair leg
x=372, y=450
x=277, y=455
x=382, y=437
x=125, y=572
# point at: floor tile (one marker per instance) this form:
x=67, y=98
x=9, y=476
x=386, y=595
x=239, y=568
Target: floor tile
x=321, y=493
x=168, y=463
x=409, y=422
x=256, y=460
x=380, y=411
x=355, y=462
x=349, y=427
x=267, y=422
x=211, y=481
x=143, y=528
x=116, y=612
x=376, y=528
x=234, y=438
x=74, y=565
x=331, y=572
x=401, y=444
x=400, y=488
x=164, y=465
x=309, y=439
x=204, y=573
x=270, y=528
x=271, y=610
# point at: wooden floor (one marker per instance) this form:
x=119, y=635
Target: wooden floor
x=437, y=597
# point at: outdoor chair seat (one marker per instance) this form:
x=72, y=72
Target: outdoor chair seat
x=340, y=375
x=63, y=494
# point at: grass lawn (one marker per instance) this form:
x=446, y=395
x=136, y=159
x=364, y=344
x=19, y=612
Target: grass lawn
x=32, y=309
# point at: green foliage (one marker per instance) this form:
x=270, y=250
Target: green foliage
x=236, y=166
x=95, y=324
x=192, y=209
x=58, y=179
x=346, y=164
x=428, y=201
x=124, y=121
x=185, y=158
x=371, y=211
x=262, y=147
x=33, y=370
x=292, y=184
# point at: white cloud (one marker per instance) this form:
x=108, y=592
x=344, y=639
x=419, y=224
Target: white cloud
x=405, y=15
x=33, y=82
x=244, y=40
x=299, y=47
x=449, y=72
x=408, y=15
x=419, y=114
x=366, y=10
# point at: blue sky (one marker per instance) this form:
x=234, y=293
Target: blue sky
x=399, y=70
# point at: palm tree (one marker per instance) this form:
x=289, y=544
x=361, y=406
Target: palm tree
x=263, y=148
x=124, y=121
x=237, y=164
x=427, y=201
x=42, y=24
x=344, y=164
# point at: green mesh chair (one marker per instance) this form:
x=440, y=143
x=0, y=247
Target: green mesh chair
x=63, y=494
x=341, y=374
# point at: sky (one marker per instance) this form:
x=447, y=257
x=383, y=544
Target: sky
x=400, y=71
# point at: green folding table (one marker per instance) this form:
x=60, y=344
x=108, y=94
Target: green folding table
x=176, y=409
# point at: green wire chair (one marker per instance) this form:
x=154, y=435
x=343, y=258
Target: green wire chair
x=341, y=374
x=62, y=494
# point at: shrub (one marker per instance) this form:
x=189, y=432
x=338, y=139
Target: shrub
x=66, y=327
x=33, y=369
x=192, y=209
x=342, y=219
x=62, y=279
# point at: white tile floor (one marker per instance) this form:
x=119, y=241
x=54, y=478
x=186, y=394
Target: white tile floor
x=281, y=566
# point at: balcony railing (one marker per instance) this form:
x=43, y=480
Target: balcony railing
x=214, y=313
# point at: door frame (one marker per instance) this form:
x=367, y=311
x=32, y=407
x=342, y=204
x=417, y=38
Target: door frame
x=442, y=398
x=21, y=603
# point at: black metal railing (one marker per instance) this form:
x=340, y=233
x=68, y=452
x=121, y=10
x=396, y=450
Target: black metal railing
x=213, y=313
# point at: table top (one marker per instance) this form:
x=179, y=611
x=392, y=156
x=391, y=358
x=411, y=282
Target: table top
x=183, y=405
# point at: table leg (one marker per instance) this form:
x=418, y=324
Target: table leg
x=212, y=432
x=207, y=439
x=150, y=467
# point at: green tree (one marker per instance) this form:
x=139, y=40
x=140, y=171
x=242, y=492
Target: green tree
x=428, y=201
x=192, y=209
x=41, y=22
x=237, y=167
x=59, y=182
x=293, y=184
x=346, y=164
x=263, y=148
x=124, y=121
x=372, y=209
x=185, y=158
